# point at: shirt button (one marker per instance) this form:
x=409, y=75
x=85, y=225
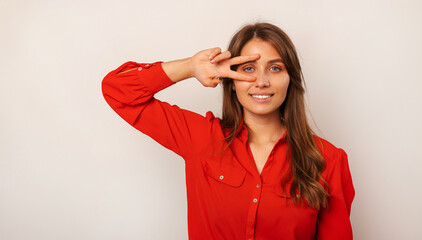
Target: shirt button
x=221, y=177
x=258, y=185
x=255, y=200
x=139, y=68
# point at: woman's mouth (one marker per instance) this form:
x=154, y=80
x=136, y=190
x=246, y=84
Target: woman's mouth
x=261, y=98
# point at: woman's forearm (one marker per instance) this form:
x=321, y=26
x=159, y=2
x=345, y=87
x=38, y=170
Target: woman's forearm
x=178, y=70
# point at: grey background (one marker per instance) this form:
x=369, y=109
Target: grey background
x=70, y=168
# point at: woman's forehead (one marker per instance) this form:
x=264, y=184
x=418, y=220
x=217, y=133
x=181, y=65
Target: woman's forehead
x=264, y=48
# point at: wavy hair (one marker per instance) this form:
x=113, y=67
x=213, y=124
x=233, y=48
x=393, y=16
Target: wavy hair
x=306, y=161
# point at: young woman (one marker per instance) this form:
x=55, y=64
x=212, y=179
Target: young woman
x=260, y=172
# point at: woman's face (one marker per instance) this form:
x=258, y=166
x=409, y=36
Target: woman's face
x=265, y=95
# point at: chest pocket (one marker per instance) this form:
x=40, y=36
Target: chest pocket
x=225, y=173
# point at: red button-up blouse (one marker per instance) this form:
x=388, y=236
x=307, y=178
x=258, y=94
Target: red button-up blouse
x=231, y=201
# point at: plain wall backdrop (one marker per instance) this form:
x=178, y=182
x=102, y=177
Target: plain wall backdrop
x=71, y=168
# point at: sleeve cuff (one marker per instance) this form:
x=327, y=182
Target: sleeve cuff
x=152, y=75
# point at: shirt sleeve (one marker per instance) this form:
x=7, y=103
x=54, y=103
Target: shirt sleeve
x=131, y=96
x=334, y=221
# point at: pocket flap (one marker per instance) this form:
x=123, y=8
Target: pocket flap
x=225, y=173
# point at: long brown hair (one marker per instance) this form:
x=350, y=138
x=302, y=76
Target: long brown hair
x=306, y=162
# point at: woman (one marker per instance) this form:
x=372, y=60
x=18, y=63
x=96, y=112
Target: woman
x=260, y=172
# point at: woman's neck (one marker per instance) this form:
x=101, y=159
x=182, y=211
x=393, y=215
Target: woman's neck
x=264, y=129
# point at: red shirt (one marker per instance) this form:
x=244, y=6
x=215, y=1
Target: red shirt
x=232, y=201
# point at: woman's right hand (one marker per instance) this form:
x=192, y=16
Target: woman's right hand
x=210, y=65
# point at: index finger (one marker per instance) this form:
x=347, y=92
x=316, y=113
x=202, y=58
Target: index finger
x=241, y=76
x=242, y=59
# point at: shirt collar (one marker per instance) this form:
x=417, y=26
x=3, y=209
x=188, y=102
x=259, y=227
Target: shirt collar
x=244, y=134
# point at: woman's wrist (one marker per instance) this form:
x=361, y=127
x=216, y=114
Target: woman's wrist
x=178, y=70
x=190, y=68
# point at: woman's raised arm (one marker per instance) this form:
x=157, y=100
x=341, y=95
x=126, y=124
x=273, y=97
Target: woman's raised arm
x=176, y=70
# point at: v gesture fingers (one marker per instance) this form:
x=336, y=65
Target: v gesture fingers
x=240, y=60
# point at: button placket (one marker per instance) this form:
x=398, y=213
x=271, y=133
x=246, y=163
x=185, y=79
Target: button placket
x=258, y=193
x=253, y=208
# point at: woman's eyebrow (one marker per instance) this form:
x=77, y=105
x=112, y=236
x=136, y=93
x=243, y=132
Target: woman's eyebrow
x=276, y=60
x=271, y=61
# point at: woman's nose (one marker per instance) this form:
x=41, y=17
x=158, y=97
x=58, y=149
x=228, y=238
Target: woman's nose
x=262, y=80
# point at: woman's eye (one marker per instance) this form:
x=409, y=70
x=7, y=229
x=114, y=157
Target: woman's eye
x=247, y=69
x=275, y=68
